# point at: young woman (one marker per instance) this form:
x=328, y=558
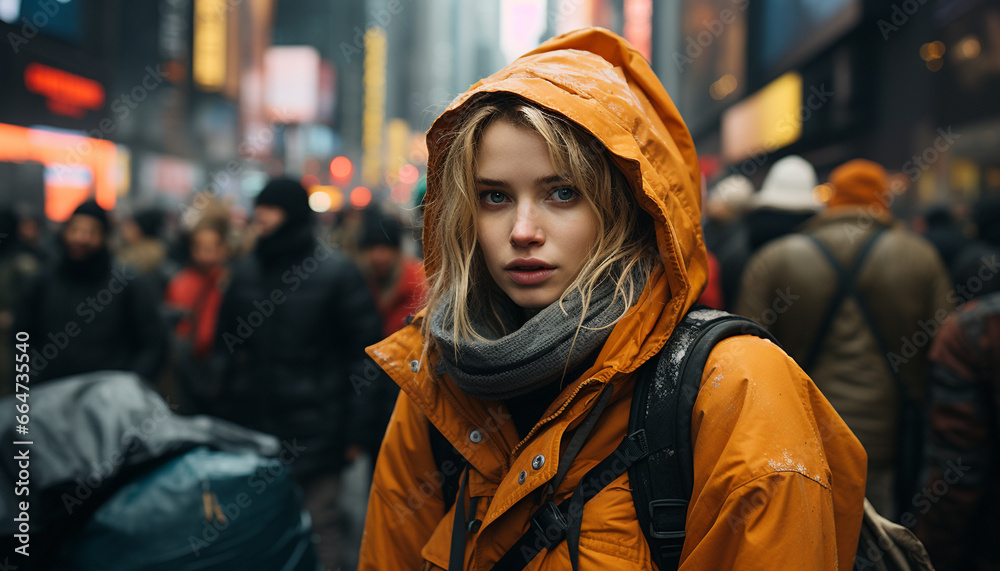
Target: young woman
x=563, y=245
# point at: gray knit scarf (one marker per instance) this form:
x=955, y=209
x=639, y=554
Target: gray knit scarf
x=534, y=354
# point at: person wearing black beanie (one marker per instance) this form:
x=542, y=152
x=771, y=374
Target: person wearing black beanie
x=85, y=242
x=283, y=220
x=86, y=314
x=94, y=210
x=290, y=338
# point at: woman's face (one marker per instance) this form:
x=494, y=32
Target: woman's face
x=534, y=228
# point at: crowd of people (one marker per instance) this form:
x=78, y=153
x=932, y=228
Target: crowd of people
x=275, y=339
x=550, y=260
x=892, y=321
x=272, y=340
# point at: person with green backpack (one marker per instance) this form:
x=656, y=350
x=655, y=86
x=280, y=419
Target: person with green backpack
x=547, y=418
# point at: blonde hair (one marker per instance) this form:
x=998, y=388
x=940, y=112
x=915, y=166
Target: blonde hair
x=625, y=241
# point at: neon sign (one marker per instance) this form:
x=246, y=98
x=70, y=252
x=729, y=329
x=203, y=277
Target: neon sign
x=65, y=93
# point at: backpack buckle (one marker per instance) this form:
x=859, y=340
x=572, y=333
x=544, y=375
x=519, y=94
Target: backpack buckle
x=549, y=525
x=666, y=520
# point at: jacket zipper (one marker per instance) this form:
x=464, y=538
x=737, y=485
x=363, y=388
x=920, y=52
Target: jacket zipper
x=546, y=420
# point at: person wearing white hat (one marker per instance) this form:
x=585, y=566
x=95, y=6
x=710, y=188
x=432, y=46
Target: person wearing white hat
x=784, y=201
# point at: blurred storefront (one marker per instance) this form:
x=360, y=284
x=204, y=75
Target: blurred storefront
x=90, y=86
x=56, y=72
x=908, y=83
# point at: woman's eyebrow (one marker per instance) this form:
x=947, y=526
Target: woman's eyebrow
x=551, y=179
x=539, y=181
x=491, y=182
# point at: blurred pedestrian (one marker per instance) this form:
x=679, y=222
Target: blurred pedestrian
x=854, y=299
x=712, y=296
x=944, y=233
x=785, y=201
x=347, y=229
x=726, y=234
x=84, y=314
x=143, y=247
x=196, y=294
x=17, y=266
x=396, y=280
x=398, y=286
x=975, y=267
x=292, y=330
x=32, y=234
x=555, y=272
x=957, y=506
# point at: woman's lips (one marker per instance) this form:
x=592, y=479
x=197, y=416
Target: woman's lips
x=524, y=276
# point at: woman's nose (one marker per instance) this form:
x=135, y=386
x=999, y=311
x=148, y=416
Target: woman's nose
x=526, y=231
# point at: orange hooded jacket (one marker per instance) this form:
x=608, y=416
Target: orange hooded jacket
x=778, y=477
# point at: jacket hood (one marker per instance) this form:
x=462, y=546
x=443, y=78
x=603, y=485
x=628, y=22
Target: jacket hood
x=597, y=80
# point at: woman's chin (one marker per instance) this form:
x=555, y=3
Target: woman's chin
x=531, y=301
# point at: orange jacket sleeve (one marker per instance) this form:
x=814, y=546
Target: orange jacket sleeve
x=405, y=504
x=776, y=471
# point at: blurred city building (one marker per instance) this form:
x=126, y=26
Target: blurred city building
x=148, y=102
x=117, y=99
x=910, y=84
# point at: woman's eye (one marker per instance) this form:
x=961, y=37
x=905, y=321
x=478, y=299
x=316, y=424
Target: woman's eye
x=493, y=197
x=564, y=194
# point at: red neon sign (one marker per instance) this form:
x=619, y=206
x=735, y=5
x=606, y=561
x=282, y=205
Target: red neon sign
x=65, y=93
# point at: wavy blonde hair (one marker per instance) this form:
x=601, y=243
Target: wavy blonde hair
x=626, y=238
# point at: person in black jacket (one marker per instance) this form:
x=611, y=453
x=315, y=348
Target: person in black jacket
x=83, y=314
x=292, y=331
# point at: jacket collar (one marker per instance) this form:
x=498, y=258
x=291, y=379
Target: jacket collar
x=456, y=415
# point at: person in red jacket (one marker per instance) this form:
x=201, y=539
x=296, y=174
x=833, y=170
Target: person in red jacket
x=712, y=296
x=196, y=291
x=396, y=280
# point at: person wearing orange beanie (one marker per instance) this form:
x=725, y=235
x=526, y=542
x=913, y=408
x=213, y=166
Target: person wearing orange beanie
x=855, y=299
x=860, y=182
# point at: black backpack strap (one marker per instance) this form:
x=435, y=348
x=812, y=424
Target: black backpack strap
x=661, y=408
x=444, y=453
x=845, y=289
x=666, y=388
x=909, y=445
x=551, y=522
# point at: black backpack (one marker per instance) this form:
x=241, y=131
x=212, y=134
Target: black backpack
x=666, y=387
